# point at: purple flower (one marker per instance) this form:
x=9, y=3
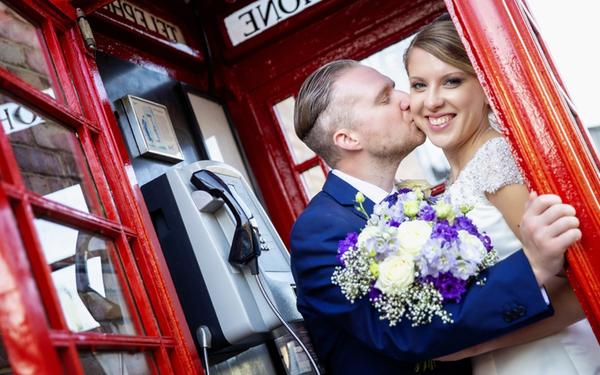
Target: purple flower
x=451, y=288
x=346, y=244
x=391, y=199
x=427, y=213
x=487, y=242
x=464, y=223
x=394, y=223
x=404, y=190
x=444, y=231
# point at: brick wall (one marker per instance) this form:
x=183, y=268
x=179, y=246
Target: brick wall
x=21, y=49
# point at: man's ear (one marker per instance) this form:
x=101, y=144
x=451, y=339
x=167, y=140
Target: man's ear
x=346, y=139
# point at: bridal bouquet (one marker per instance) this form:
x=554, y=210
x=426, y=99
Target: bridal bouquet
x=414, y=254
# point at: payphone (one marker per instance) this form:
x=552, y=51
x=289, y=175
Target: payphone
x=229, y=266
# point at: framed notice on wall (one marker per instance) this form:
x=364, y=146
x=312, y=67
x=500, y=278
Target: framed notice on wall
x=152, y=129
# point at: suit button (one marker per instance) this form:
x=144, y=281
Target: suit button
x=520, y=311
x=508, y=316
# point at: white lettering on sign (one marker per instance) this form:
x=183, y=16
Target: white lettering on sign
x=257, y=17
x=145, y=20
x=15, y=117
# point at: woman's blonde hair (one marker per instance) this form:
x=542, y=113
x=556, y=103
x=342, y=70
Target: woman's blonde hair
x=440, y=39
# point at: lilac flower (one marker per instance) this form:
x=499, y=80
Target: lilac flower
x=346, y=244
x=427, y=212
x=394, y=223
x=426, y=262
x=391, y=199
x=464, y=223
x=405, y=190
x=464, y=269
x=444, y=231
x=449, y=286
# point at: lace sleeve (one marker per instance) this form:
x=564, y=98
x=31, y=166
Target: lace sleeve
x=497, y=167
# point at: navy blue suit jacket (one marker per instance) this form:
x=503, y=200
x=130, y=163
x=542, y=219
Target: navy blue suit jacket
x=351, y=339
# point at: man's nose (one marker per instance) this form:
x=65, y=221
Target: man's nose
x=404, y=100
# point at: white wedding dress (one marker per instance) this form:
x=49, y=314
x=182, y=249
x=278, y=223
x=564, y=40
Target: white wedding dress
x=574, y=350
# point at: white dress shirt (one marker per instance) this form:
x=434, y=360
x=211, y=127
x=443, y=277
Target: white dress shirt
x=373, y=192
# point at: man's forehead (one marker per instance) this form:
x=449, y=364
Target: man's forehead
x=360, y=82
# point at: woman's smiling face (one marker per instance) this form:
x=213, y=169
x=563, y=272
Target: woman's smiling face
x=447, y=103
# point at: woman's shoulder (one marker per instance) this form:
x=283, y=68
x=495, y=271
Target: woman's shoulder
x=495, y=166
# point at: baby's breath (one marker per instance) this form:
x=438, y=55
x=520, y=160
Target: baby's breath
x=355, y=278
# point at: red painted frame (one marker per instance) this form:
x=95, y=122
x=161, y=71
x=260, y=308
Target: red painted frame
x=138, y=264
x=551, y=149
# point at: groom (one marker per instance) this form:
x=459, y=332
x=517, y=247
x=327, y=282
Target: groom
x=353, y=118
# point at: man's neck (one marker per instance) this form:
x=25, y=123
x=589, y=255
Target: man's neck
x=380, y=175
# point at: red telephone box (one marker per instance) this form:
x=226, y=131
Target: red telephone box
x=70, y=172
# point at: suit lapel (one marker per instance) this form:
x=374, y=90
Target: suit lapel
x=345, y=194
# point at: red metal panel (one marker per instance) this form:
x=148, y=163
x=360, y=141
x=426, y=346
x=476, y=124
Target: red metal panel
x=127, y=196
x=61, y=13
x=549, y=146
x=62, y=338
x=22, y=319
x=118, y=29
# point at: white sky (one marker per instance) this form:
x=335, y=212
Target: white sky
x=571, y=34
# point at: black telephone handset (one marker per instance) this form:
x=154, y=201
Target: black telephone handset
x=245, y=247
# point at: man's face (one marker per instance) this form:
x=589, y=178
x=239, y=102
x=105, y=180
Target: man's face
x=382, y=120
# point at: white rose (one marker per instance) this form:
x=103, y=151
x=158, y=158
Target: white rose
x=471, y=248
x=396, y=273
x=412, y=235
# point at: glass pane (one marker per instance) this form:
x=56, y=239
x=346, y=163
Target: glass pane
x=114, y=363
x=576, y=65
x=50, y=158
x=21, y=50
x=595, y=133
x=84, y=276
x=285, y=114
x=313, y=180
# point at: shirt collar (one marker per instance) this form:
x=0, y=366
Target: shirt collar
x=373, y=192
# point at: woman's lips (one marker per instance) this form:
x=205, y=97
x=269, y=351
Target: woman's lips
x=439, y=122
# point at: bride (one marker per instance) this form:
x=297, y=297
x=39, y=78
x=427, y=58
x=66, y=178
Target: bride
x=449, y=105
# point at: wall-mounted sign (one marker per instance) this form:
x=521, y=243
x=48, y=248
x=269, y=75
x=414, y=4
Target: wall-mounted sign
x=145, y=20
x=260, y=15
x=152, y=129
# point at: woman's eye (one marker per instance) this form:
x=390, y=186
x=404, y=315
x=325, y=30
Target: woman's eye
x=453, y=82
x=417, y=85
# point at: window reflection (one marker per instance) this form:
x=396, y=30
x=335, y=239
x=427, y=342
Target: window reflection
x=114, y=363
x=89, y=291
x=50, y=157
x=313, y=180
x=21, y=50
x=285, y=114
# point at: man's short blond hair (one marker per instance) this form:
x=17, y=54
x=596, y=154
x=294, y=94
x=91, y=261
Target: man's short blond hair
x=315, y=121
